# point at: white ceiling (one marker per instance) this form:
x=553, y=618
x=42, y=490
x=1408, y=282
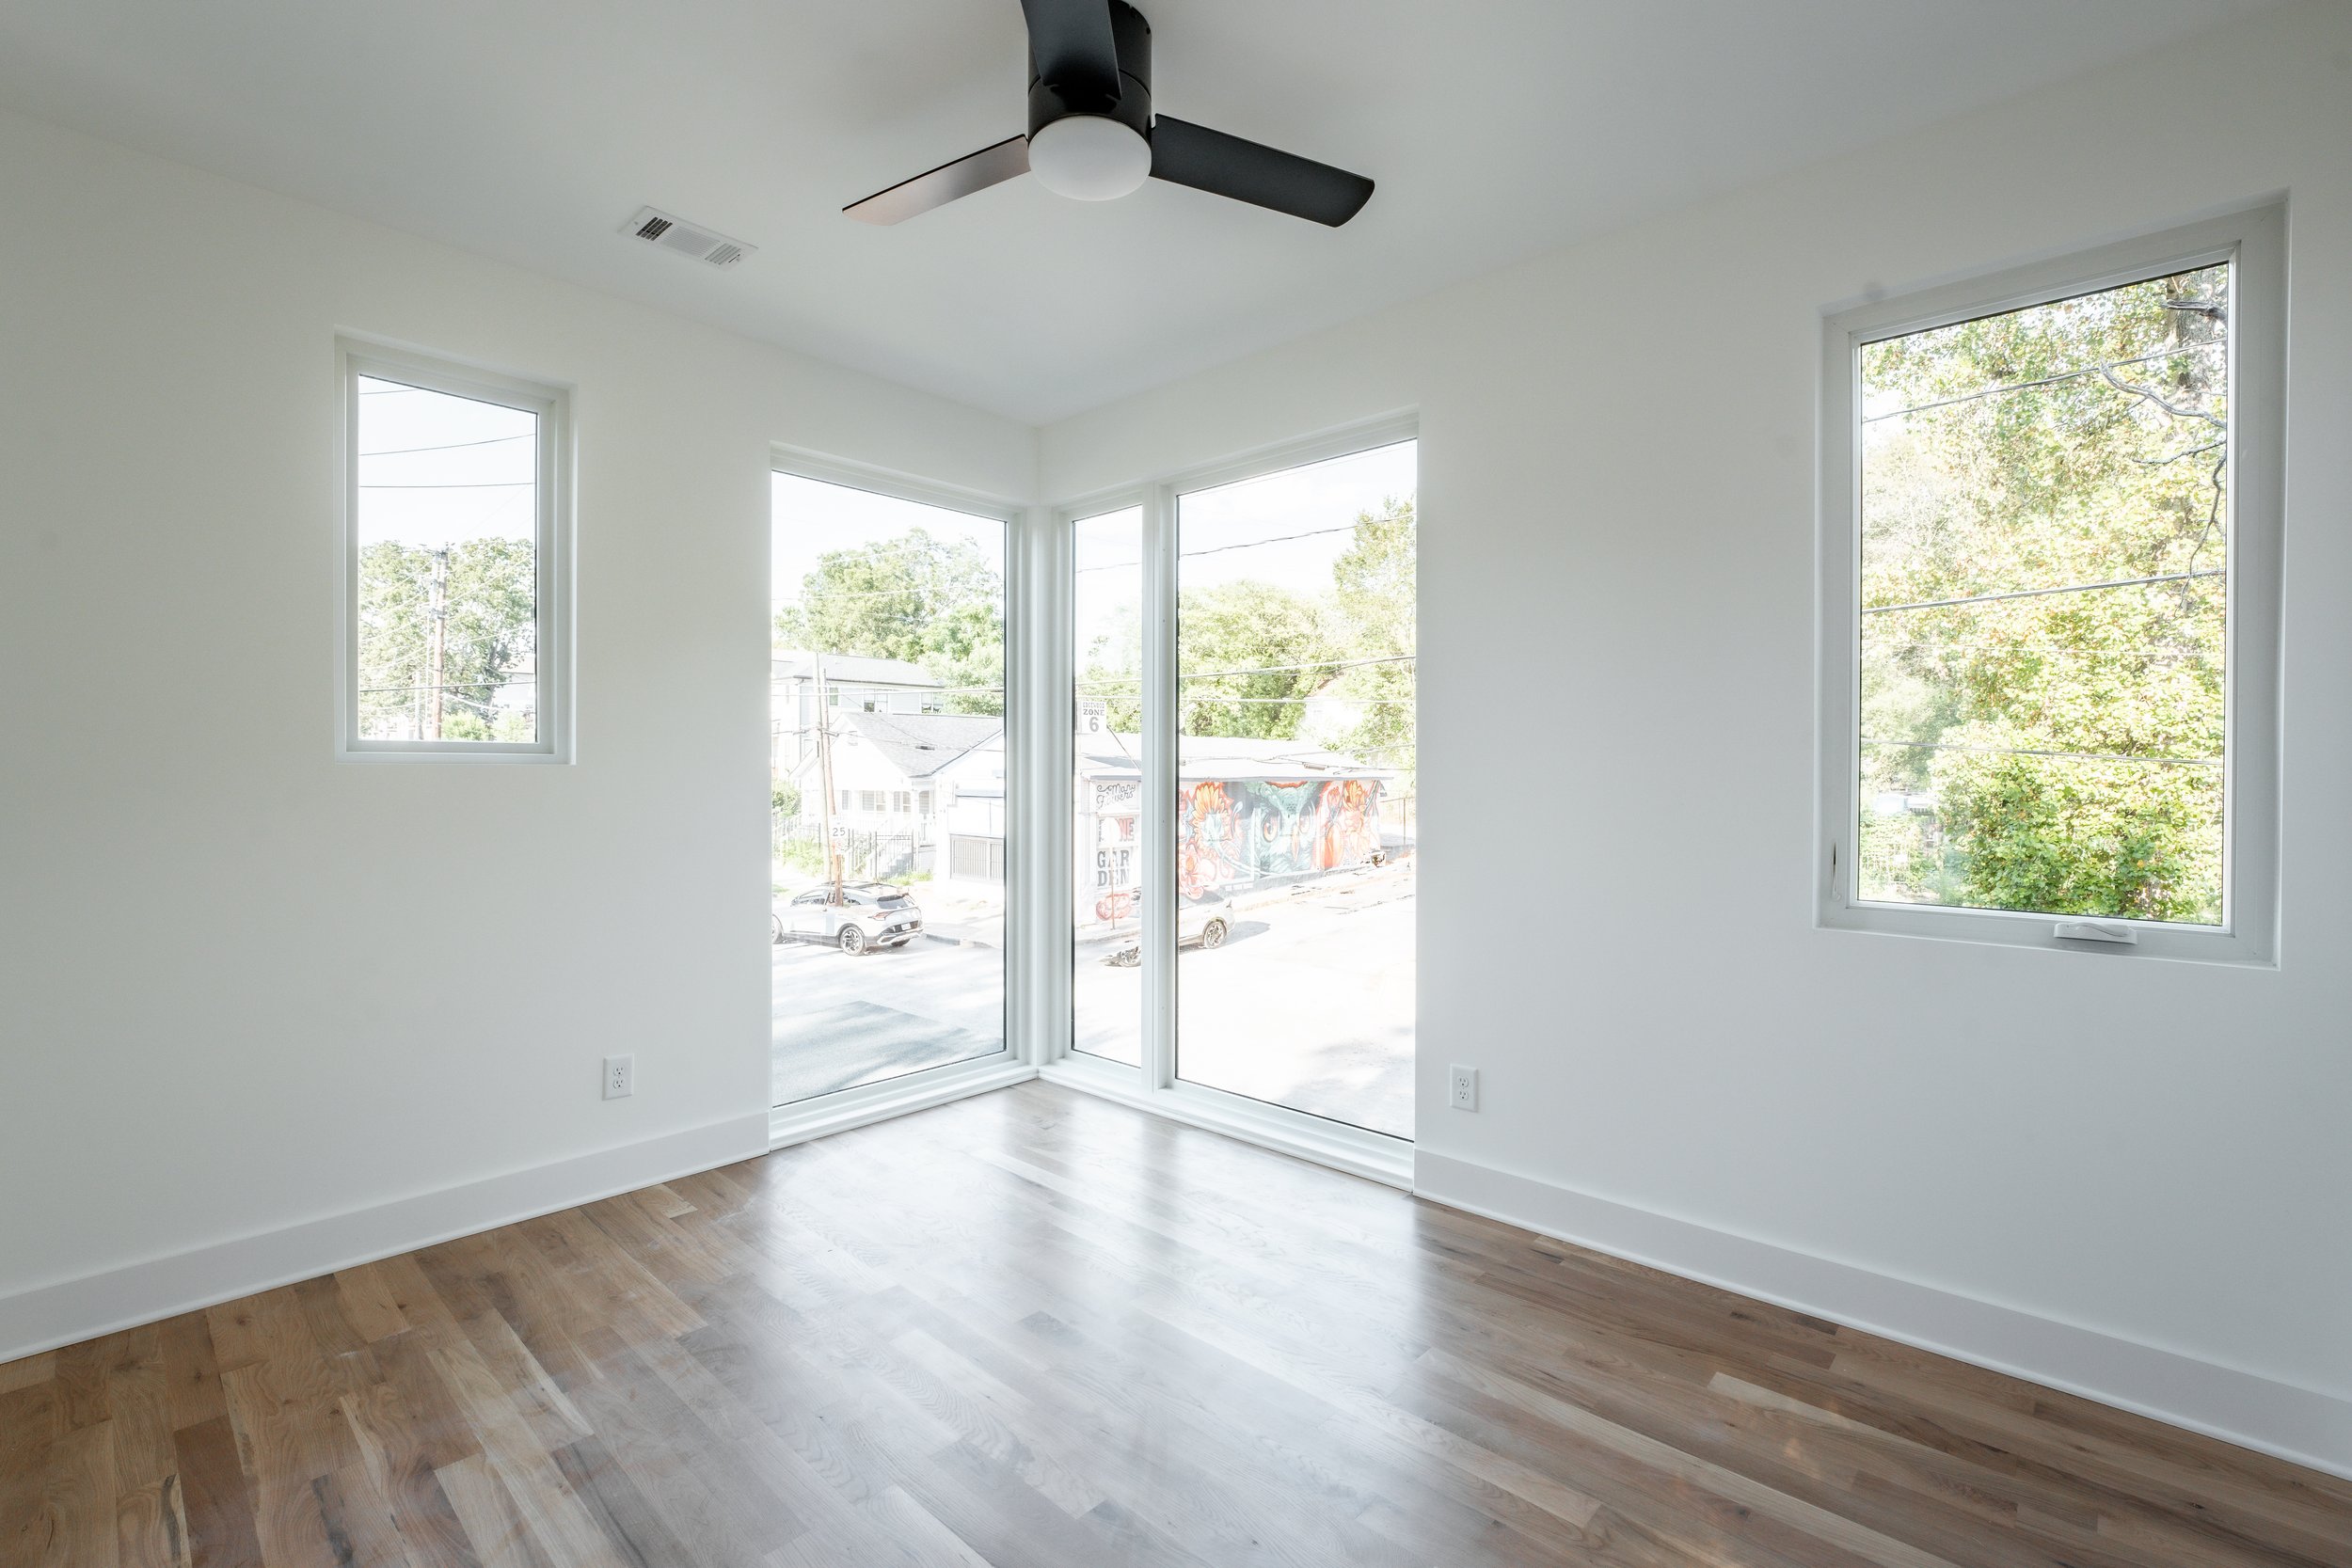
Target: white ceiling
x=530, y=129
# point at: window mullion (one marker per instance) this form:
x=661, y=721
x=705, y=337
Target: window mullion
x=1037, y=687
x=1158, y=850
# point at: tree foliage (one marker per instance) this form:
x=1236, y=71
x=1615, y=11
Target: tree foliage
x=1110, y=667
x=2057, y=752
x=1253, y=653
x=928, y=601
x=1373, y=603
x=1289, y=649
x=489, y=591
x=1249, y=655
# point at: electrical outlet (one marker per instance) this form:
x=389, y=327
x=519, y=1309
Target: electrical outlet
x=620, y=1076
x=1463, y=1090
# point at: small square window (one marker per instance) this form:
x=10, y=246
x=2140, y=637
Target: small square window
x=455, y=588
x=2051, y=534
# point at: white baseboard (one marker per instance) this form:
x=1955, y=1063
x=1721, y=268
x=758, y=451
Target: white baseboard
x=70, y=1310
x=2306, y=1426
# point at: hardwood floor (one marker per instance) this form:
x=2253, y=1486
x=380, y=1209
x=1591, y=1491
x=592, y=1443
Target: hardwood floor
x=1035, y=1330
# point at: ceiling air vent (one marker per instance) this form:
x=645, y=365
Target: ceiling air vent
x=674, y=233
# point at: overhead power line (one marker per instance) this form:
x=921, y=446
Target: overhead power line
x=450, y=446
x=1218, y=550
x=525, y=679
x=2100, y=369
x=1303, y=699
x=911, y=590
x=2042, y=592
x=1317, y=664
x=1269, y=669
x=2039, y=650
x=2026, y=751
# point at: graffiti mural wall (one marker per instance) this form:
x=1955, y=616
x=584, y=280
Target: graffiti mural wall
x=1232, y=833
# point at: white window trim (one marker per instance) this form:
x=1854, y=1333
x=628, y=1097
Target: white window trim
x=2254, y=242
x=1026, y=994
x=1155, y=1086
x=553, y=546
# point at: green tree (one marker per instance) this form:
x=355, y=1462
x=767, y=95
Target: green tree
x=1249, y=653
x=1111, y=668
x=1372, y=616
x=488, y=590
x=928, y=601
x=2068, y=741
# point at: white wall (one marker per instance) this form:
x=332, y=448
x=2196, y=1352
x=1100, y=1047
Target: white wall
x=1617, y=486
x=243, y=984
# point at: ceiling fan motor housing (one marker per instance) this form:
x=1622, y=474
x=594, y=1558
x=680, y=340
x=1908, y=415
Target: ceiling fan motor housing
x=1092, y=135
x=1131, y=36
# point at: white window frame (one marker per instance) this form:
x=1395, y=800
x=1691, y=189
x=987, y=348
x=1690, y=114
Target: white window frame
x=1024, y=990
x=1155, y=1086
x=551, y=701
x=2254, y=243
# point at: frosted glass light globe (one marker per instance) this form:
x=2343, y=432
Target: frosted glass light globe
x=1089, y=158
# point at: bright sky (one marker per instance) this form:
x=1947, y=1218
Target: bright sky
x=437, y=469
x=809, y=518
x=1319, y=500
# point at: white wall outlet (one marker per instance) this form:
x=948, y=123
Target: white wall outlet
x=620, y=1076
x=1462, y=1087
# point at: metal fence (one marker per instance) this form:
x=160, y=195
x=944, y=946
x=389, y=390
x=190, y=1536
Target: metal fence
x=865, y=855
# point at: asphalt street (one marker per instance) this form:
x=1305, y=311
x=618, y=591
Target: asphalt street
x=1308, y=1004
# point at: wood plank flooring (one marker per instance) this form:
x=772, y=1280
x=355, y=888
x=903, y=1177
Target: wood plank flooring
x=1035, y=1330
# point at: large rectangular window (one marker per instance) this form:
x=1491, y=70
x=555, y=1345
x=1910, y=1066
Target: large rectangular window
x=455, y=501
x=2061, y=615
x=887, y=684
x=1293, y=823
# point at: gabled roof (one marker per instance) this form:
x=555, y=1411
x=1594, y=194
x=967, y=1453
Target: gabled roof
x=921, y=744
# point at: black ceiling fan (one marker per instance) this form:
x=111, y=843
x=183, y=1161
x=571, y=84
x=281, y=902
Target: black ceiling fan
x=1093, y=135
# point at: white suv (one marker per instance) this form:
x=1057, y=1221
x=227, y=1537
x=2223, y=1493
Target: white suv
x=866, y=915
x=1204, y=921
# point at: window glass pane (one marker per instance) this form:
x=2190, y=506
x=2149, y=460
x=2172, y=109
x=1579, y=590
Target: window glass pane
x=1295, y=823
x=1106, y=979
x=2045, y=530
x=448, y=523
x=888, y=680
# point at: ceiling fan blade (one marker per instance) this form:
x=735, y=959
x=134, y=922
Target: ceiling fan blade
x=974, y=172
x=1070, y=45
x=1188, y=154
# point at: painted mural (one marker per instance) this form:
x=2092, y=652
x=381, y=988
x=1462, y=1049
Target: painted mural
x=1232, y=833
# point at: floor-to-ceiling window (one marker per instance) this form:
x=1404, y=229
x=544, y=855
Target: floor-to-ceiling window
x=1293, y=809
x=1242, y=677
x=888, y=765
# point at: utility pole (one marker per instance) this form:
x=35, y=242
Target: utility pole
x=440, y=629
x=824, y=777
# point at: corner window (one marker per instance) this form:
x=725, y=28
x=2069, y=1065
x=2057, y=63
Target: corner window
x=2054, y=565
x=453, y=496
